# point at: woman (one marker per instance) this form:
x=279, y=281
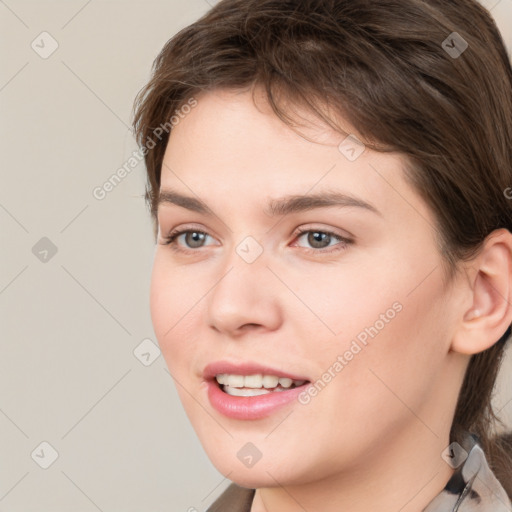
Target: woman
x=330, y=188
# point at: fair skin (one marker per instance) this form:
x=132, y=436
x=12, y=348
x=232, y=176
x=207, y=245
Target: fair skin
x=372, y=438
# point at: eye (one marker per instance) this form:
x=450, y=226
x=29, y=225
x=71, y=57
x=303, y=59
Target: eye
x=192, y=238
x=321, y=239
x=318, y=240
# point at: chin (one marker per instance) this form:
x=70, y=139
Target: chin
x=263, y=473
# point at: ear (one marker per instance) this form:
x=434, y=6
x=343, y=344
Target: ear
x=490, y=314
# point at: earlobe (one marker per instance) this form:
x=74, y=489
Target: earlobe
x=490, y=313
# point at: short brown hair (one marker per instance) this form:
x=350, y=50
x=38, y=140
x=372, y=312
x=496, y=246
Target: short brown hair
x=402, y=75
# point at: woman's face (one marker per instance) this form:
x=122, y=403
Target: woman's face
x=355, y=305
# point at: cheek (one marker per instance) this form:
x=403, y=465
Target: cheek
x=393, y=349
x=173, y=312
x=162, y=299
x=387, y=322
x=344, y=299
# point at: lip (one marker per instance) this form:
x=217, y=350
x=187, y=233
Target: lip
x=254, y=407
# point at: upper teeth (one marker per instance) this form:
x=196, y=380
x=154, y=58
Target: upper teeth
x=256, y=381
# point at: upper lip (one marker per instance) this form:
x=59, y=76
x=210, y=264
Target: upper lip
x=245, y=368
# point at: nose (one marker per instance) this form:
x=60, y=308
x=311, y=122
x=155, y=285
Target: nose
x=246, y=297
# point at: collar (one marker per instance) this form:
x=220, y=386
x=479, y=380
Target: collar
x=473, y=487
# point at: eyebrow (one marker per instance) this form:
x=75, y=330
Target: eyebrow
x=275, y=207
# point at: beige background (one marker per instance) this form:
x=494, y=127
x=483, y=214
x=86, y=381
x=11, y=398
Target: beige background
x=70, y=324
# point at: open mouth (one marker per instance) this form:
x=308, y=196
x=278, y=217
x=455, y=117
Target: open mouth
x=255, y=385
x=251, y=391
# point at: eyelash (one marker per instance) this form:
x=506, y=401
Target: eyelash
x=170, y=240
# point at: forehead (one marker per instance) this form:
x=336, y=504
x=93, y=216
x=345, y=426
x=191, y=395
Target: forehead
x=230, y=148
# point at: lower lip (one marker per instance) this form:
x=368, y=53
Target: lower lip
x=250, y=407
